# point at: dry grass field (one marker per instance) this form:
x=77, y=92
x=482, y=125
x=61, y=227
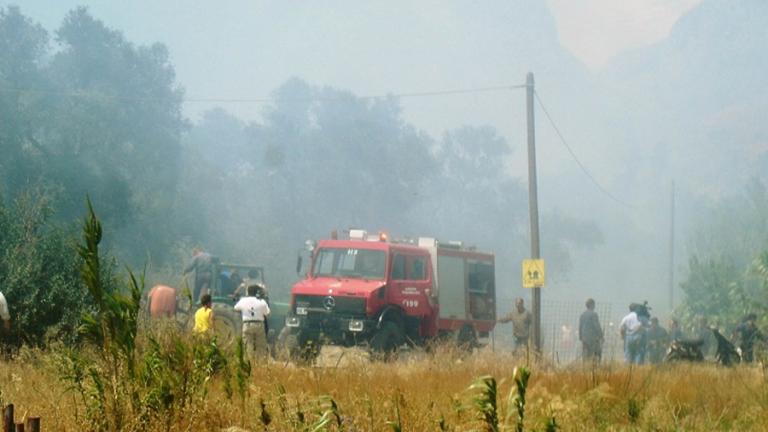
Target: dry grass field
x=346, y=391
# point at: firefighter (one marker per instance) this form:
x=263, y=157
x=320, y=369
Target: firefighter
x=521, y=324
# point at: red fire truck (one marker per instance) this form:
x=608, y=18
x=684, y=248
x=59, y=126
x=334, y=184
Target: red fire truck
x=368, y=290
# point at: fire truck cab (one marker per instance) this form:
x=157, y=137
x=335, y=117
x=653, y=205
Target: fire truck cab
x=368, y=290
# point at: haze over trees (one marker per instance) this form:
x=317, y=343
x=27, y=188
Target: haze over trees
x=86, y=111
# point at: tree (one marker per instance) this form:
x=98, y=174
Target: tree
x=23, y=46
x=726, y=278
x=98, y=116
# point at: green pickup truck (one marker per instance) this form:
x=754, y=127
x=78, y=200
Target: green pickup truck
x=224, y=283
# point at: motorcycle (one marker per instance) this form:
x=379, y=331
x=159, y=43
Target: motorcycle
x=690, y=350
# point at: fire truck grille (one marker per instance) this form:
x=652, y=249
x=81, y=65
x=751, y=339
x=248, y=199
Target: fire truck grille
x=338, y=305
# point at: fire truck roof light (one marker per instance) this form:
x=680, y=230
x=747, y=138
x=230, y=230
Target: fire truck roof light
x=383, y=236
x=357, y=234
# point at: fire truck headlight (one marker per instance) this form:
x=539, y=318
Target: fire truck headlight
x=355, y=325
x=291, y=321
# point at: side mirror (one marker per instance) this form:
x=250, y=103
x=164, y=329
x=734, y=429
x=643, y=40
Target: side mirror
x=298, y=264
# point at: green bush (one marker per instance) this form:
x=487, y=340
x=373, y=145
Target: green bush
x=39, y=273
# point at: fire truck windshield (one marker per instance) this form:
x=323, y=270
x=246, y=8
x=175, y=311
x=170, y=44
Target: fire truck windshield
x=350, y=263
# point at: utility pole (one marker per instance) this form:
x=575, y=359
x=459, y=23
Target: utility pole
x=672, y=250
x=533, y=206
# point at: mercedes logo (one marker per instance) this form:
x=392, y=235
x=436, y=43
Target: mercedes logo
x=329, y=302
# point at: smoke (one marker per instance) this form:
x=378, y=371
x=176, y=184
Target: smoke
x=270, y=161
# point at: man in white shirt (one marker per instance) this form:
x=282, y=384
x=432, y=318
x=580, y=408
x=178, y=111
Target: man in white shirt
x=4, y=314
x=254, y=312
x=633, y=334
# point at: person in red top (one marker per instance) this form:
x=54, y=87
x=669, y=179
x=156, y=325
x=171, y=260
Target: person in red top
x=162, y=302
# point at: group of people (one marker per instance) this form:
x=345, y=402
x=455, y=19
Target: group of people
x=645, y=340
x=253, y=306
x=590, y=331
x=254, y=311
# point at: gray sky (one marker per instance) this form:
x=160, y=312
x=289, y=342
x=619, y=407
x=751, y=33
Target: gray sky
x=234, y=49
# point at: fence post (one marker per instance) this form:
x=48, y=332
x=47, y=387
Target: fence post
x=8, y=419
x=33, y=424
x=19, y=427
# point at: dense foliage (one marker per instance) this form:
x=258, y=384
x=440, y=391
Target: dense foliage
x=95, y=115
x=39, y=272
x=727, y=276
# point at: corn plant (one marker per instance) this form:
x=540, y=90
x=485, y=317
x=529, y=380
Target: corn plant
x=485, y=402
x=111, y=327
x=516, y=398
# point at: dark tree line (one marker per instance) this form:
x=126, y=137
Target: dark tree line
x=84, y=111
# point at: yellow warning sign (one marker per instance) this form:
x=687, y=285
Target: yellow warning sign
x=533, y=273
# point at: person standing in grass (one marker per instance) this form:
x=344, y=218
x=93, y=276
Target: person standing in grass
x=703, y=332
x=521, y=324
x=4, y=313
x=161, y=302
x=747, y=334
x=632, y=333
x=657, y=340
x=590, y=333
x=204, y=316
x=675, y=332
x=254, y=312
x=202, y=265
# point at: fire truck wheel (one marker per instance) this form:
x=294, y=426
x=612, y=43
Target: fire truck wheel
x=292, y=345
x=466, y=338
x=386, y=341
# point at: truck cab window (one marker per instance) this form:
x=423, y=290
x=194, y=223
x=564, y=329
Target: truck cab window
x=418, y=268
x=398, y=268
x=350, y=263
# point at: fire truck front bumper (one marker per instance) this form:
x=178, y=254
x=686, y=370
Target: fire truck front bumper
x=330, y=324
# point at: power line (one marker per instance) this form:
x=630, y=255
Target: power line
x=80, y=94
x=575, y=158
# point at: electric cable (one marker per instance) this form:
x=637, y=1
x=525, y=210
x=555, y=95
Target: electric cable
x=576, y=159
x=81, y=94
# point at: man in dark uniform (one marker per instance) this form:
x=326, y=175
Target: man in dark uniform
x=747, y=334
x=590, y=333
x=657, y=340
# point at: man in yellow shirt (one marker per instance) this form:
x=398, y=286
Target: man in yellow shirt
x=204, y=316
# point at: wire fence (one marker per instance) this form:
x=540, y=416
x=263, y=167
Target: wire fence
x=560, y=332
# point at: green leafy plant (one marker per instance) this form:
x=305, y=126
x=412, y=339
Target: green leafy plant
x=516, y=398
x=485, y=402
